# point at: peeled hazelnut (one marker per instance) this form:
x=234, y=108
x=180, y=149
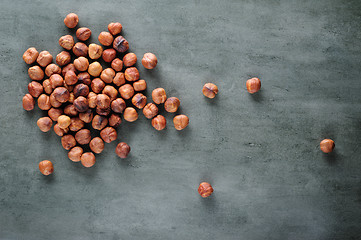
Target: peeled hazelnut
x=140, y=85
x=149, y=61
x=95, y=69
x=81, y=64
x=131, y=74
x=36, y=73
x=120, y=44
x=122, y=150
x=76, y=124
x=95, y=51
x=70, y=110
x=71, y=20
x=205, y=189
x=99, y=122
x=115, y=120
x=56, y=81
x=327, y=145
x=105, y=38
x=159, y=122
x=130, y=114
x=103, y=101
x=210, y=90
x=64, y=121
x=61, y=94
x=129, y=59
x=180, y=122
x=253, y=85
x=45, y=124
x=118, y=105
x=69, y=67
x=80, y=49
x=92, y=100
x=150, y=110
x=81, y=90
x=52, y=69
x=103, y=111
x=139, y=100
x=30, y=55
x=126, y=91
x=109, y=54
x=97, y=85
x=47, y=86
x=111, y=92
x=115, y=28
x=87, y=116
x=107, y=75
x=83, y=33
x=35, y=89
x=172, y=104
x=87, y=159
x=117, y=64
x=28, y=102
x=53, y=102
x=44, y=102
x=59, y=131
x=119, y=79
x=84, y=78
x=63, y=58
x=66, y=42
x=81, y=104
x=44, y=58
x=108, y=134
x=83, y=136
x=46, y=167
x=159, y=96
x=70, y=78
x=75, y=154
x=96, y=145
x=54, y=113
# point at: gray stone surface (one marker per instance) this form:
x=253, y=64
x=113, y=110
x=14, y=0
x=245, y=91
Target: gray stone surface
x=259, y=152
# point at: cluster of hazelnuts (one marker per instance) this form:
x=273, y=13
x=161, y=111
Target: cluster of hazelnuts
x=80, y=93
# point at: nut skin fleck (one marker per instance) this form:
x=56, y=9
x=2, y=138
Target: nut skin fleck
x=159, y=96
x=83, y=33
x=205, y=189
x=130, y=114
x=159, y=122
x=96, y=145
x=30, y=55
x=120, y=44
x=149, y=61
x=71, y=20
x=75, y=154
x=87, y=159
x=115, y=28
x=172, y=104
x=28, y=102
x=210, y=90
x=46, y=167
x=150, y=110
x=122, y=150
x=253, y=85
x=44, y=58
x=327, y=145
x=180, y=122
x=80, y=49
x=45, y=124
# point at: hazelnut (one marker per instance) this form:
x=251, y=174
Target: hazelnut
x=159, y=96
x=66, y=42
x=103, y=101
x=44, y=102
x=159, y=122
x=69, y=67
x=115, y=28
x=80, y=49
x=118, y=105
x=111, y=92
x=131, y=74
x=130, y=114
x=150, y=110
x=92, y=100
x=47, y=86
x=83, y=33
x=149, y=61
x=129, y=59
x=81, y=64
x=86, y=116
x=59, y=131
x=83, y=136
x=70, y=110
x=139, y=100
x=95, y=51
x=46, y=167
x=172, y=104
x=210, y=90
x=117, y=64
x=105, y=38
x=54, y=113
x=75, y=154
x=63, y=58
x=81, y=90
x=56, y=81
x=30, y=55
x=327, y=145
x=95, y=69
x=119, y=79
x=120, y=44
x=81, y=104
x=253, y=85
x=53, y=102
x=109, y=54
x=99, y=122
x=87, y=159
x=140, y=85
x=61, y=94
x=97, y=85
x=71, y=20
x=84, y=78
x=45, y=124
x=108, y=134
x=70, y=78
x=28, y=102
x=44, y=58
x=71, y=97
x=122, y=150
x=96, y=145
x=115, y=120
x=126, y=91
x=76, y=124
x=103, y=111
x=69, y=87
x=64, y=121
x=35, y=89
x=36, y=73
x=52, y=69
x=180, y=121
x=107, y=75
x=205, y=189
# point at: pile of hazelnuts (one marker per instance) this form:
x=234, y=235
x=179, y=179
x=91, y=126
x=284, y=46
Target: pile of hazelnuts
x=80, y=94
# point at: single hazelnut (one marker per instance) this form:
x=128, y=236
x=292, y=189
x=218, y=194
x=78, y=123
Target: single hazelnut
x=36, y=73
x=95, y=69
x=80, y=49
x=99, y=122
x=87, y=159
x=64, y=121
x=81, y=90
x=149, y=61
x=118, y=105
x=75, y=154
x=69, y=67
x=59, y=131
x=117, y=64
x=28, y=102
x=56, y=81
x=131, y=74
x=139, y=100
x=95, y=51
x=210, y=90
x=53, y=102
x=150, y=110
x=83, y=33
x=70, y=110
x=172, y=104
x=130, y=114
x=119, y=79
x=159, y=96
x=63, y=58
x=66, y=42
x=70, y=78
x=45, y=124
x=76, y=124
x=97, y=85
x=159, y=122
x=44, y=58
x=47, y=86
x=83, y=136
x=81, y=64
x=108, y=134
x=71, y=20
x=327, y=145
x=96, y=145
x=115, y=120
x=105, y=38
x=84, y=78
x=54, y=113
x=71, y=97
x=115, y=28
x=103, y=101
x=122, y=150
x=35, y=89
x=61, y=94
x=129, y=59
x=140, y=85
x=87, y=116
x=92, y=99
x=81, y=104
x=46, y=167
x=107, y=75
x=44, y=102
x=205, y=189
x=52, y=69
x=108, y=55
x=253, y=85
x=120, y=44
x=30, y=55
x=180, y=122
x=111, y=92
x=103, y=111
x=126, y=91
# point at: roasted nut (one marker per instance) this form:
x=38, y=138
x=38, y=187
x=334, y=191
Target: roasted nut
x=68, y=142
x=327, y=145
x=87, y=159
x=118, y=105
x=95, y=51
x=81, y=90
x=83, y=136
x=103, y=111
x=47, y=86
x=44, y=102
x=81, y=64
x=35, y=89
x=96, y=145
x=172, y=104
x=66, y=42
x=130, y=114
x=52, y=69
x=140, y=85
x=54, y=113
x=122, y=150
x=119, y=79
x=92, y=100
x=95, y=69
x=97, y=85
x=28, y=102
x=210, y=90
x=53, y=102
x=115, y=120
x=84, y=78
x=126, y=91
x=70, y=78
x=131, y=74
x=69, y=87
x=115, y=28
x=108, y=134
x=99, y=122
x=159, y=96
x=180, y=121
x=71, y=97
x=63, y=58
x=253, y=85
x=44, y=124
x=205, y=189
x=105, y=38
x=59, y=131
x=81, y=104
x=120, y=44
x=80, y=49
x=75, y=154
x=149, y=61
x=36, y=73
x=71, y=20
x=107, y=75
x=76, y=124
x=111, y=92
x=69, y=67
x=150, y=110
x=44, y=58
x=109, y=54
x=70, y=110
x=46, y=167
x=86, y=116
x=30, y=55
x=56, y=81
x=83, y=33
x=103, y=101
x=129, y=59
x=117, y=64
x=139, y=100
x=64, y=121
x=159, y=122
x=61, y=94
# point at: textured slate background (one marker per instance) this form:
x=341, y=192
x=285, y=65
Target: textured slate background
x=259, y=152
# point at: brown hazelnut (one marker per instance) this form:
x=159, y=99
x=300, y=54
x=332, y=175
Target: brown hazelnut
x=140, y=85
x=52, y=69
x=95, y=51
x=107, y=75
x=44, y=124
x=80, y=49
x=69, y=67
x=68, y=142
x=46, y=167
x=150, y=110
x=75, y=154
x=59, y=131
x=81, y=90
x=28, y=102
x=44, y=58
x=83, y=33
x=109, y=54
x=129, y=59
x=159, y=96
x=103, y=101
x=119, y=79
x=172, y=104
x=118, y=105
x=120, y=44
x=81, y=64
x=180, y=122
x=122, y=150
x=81, y=104
x=54, y=113
x=131, y=74
x=30, y=55
x=92, y=100
x=139, y=100
x=103, y=111
x=69, y=87
x=327, y=145
x=253, y=85
x=44, y=102
x=210, y=90
x=47, y=86
x=126, y=91
x=130, y=114
x=70, y=78
x=64, y=121
x=83, y=136
x=96, y=145
x=97, y=85
x=115, y=120
x=108, y=134
x=70, y=110
x=66, y=42
x=105, y=38
x=149, y=61
x=84, y=78
x=86, y=116
x=63, y=58
x=99, y=122
x=111, y=92
x=53, y=102
x=71, y=20
x=71, y=97
x=115, y=28
x=87, y=159
x=56, y=81
x=36, y=73
x=117, y=64
x=95, y=69
x=35, y=89
x=205, y=189
x=159, y=122
x=76, y=124
x=61, y=94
